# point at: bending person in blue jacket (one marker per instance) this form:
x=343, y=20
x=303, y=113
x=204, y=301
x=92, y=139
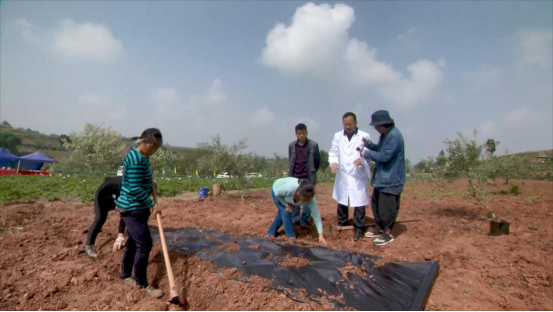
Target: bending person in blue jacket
x=388, y=176
x=290, y=192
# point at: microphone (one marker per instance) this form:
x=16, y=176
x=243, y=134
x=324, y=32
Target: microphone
x=366, y=142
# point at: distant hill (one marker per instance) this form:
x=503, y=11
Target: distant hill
x=536, y=169
x=33, y=141
x=51, y=146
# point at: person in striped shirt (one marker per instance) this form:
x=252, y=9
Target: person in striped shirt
x=134, y=203
x=290, y=192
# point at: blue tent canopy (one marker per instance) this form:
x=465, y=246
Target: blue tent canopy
x=7, y=159
x=34, y=161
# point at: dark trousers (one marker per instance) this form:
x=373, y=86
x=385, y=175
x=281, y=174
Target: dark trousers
x=101, y=210
x=385, y=209
x=139, y=246
x=358, y=216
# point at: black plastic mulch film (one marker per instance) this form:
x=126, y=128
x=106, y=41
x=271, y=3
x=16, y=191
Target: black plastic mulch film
x=391, y=286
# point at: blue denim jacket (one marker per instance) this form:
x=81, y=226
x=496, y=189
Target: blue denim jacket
x=389, y=158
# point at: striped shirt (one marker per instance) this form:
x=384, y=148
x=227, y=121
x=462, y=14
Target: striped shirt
x=137, y=182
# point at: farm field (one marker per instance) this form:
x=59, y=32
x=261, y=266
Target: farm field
x=43, y=265
x=81, y=187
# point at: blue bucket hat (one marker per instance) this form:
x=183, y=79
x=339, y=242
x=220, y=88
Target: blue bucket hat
x=381, y=117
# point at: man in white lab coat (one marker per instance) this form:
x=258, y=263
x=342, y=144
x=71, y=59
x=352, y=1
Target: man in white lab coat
x=352, y=173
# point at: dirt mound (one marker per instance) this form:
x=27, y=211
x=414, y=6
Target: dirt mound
x=294, y=262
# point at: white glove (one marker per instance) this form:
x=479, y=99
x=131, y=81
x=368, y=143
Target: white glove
x=119, y=242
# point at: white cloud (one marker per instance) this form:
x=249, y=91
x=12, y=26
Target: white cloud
x=317, y=34
x=317, y=44
x=312, y=125
x=484, y=77
x=263, y=117
x=168, y=102
x=194, y=118
x=407, y=35
x=419, y=87
x=216, y=94
x=73, y=41
x=94, y=99
x=487, y=129
x=100, y=107
x=85, y=41
x=29, y=32
x=535, y=46
x=521, y=116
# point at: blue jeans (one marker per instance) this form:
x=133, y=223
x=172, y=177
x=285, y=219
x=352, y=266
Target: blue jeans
x=282, y=217
x=305, y=215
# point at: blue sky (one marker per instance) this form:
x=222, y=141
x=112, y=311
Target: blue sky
x=255, y=69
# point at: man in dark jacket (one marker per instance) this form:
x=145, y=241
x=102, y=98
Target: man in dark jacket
x=304, y=158
x=104, y=202
x=388, y=176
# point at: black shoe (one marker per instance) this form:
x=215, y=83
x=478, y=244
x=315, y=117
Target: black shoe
x=357, y=236
x=383, y=239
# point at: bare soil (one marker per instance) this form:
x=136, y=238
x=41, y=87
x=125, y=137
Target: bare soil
x=43, y=265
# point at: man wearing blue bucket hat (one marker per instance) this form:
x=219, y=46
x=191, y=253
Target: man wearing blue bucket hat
x=388, y=176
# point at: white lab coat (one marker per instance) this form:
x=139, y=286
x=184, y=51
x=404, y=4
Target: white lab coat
x=351, y=181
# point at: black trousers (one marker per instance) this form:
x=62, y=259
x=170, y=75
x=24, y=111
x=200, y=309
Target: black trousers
x=139, y=246
x=385, y=209
x=358, y=216
x=101, y=209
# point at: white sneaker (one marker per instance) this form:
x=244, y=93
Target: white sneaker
x=156, y=293
x=383, y=239
x=373, y=233
x=90, y=251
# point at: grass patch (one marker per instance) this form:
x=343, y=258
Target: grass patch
x=82, y=187
x=533, y=198
x=494, y=286
x=514, y=190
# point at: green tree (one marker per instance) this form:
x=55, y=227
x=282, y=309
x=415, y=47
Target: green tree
x=6, y=124
x=280, y=165
x=220, y=157
x=9, y=141
x=491, y=146
x=64, y=138
x=426, y=165
x=95, y=149
x=510, y=167
x=260, y=163
x=166, y=161
x=325, y=165
x=462, y=160
x=407, y=166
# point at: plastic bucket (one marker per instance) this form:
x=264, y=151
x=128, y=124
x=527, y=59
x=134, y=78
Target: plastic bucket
x=216, y=189
x=203, y=192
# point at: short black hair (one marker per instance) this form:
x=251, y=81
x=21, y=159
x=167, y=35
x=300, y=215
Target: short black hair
x=150, y=135
x=389, y=125
x=300, y=127
x=348, y=114
x=306, y=188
